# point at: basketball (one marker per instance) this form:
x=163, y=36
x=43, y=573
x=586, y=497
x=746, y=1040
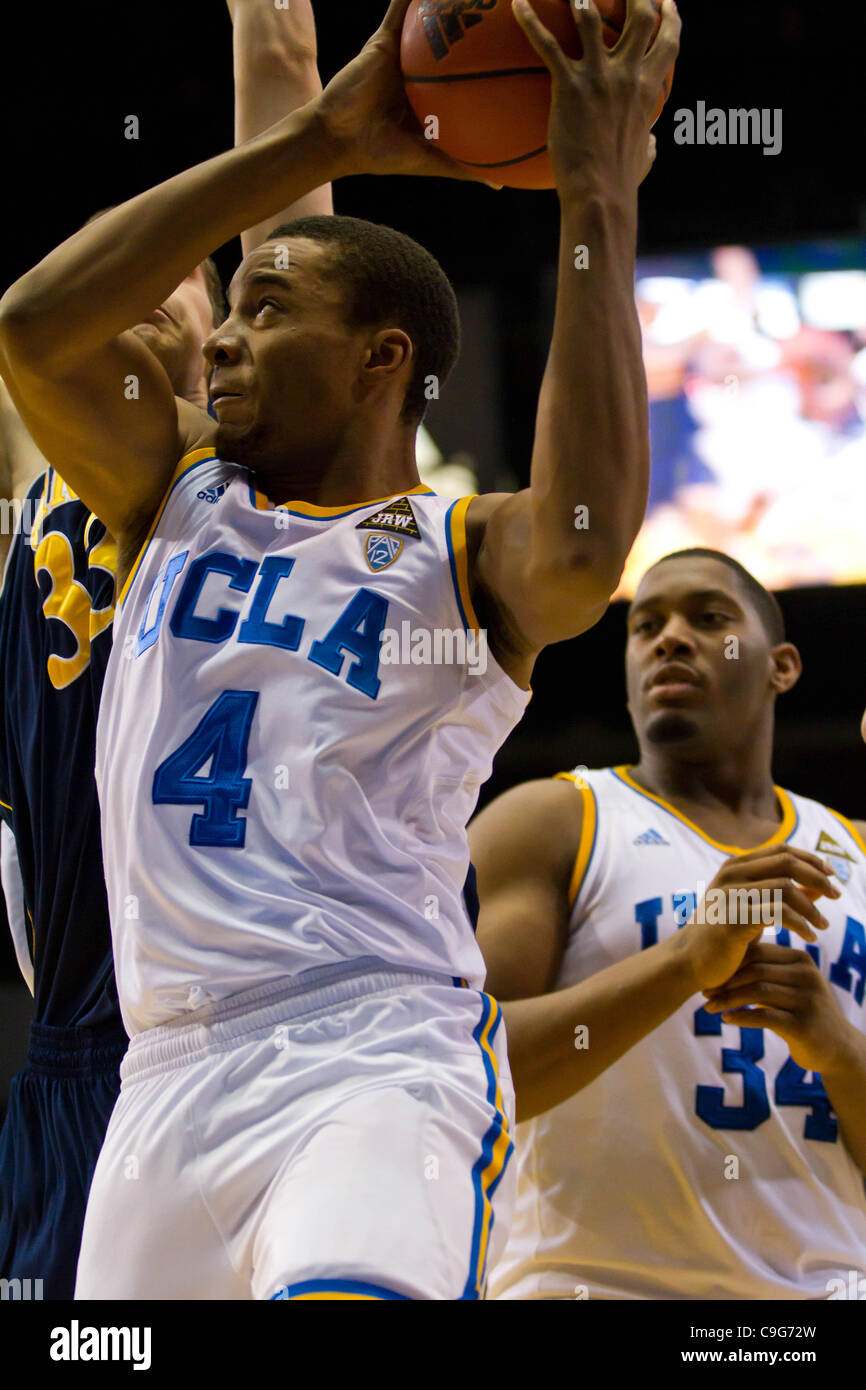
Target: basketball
x=471, y=67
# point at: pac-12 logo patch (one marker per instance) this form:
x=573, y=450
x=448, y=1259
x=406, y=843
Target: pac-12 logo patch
x=382, y=551
x=839, y=859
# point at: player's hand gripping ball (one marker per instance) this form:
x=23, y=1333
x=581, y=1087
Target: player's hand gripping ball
x=480, y=89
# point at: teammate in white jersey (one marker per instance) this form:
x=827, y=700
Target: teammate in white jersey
x=669, y=1145
x=316, y=1098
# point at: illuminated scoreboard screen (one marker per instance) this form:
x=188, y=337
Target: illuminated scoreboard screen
x=756, y=367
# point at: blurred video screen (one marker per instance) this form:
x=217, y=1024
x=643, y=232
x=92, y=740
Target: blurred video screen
x=756, y=367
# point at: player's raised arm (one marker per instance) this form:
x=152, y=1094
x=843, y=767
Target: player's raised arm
x=93, y=397
x=276, y=71
x=551, y=556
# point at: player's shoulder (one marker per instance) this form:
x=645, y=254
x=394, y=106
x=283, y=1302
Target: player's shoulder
x=534, y=822
x=196, y=444
x=816, y=817
x=195, y=428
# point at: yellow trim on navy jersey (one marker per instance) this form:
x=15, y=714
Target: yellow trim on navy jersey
x=459, y=555
x=787, y=826
x=850, y=827
x=190, y=460
x=5, y=807
x=262, y=503
x=588, y=828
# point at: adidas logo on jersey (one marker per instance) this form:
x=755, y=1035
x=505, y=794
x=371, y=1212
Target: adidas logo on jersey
x=651, y=837
x=446, y=21
x=212, y=494
x=398, y=516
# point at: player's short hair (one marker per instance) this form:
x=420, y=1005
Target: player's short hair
x=763, y=601
x=213, y=283
x=391, y=279
x=215, y=291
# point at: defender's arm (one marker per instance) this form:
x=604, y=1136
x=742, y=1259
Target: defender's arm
x=276, y=71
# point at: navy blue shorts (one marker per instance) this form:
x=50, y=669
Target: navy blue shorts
x=59, y=1108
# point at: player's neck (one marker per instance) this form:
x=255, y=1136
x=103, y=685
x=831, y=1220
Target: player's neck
x=362, y=467
x=734, y=789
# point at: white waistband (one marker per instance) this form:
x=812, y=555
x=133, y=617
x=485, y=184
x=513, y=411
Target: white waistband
x=232, y=1021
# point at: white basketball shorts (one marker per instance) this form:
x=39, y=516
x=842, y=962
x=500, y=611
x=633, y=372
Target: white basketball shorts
x=346, y=1137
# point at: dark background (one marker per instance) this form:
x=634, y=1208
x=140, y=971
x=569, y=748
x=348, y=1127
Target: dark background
x=74, y=73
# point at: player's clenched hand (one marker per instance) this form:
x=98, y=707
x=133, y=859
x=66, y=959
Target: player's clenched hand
x=367, y=118
x=603, y=103
x=793, y=999
x=727, y=922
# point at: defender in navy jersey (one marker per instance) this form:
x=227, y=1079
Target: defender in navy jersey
x=55, y=637
x=675, y=1142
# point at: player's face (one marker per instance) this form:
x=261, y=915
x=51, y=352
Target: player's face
x=176, y=331
x=285, y=366
x=699, y=663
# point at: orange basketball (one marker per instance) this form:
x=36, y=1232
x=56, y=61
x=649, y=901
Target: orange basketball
x=468, y=63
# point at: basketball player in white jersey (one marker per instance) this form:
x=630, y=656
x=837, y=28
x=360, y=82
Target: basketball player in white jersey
x=691, y=1089
x=62, y=563
x=316, y=1097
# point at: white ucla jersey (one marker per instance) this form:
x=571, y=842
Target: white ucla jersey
x=289, y=744
x=704, y=1164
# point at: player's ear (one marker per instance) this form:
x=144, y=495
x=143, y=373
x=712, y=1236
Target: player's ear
x=387, y=352
x=787, y=667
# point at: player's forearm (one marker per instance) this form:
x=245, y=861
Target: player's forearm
x=845, y=1085
x=592, y=441
x=552, y=1058
x=275, y=72
x=113, y=273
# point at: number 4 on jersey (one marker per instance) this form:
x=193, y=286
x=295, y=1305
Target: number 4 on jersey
x=220, y=738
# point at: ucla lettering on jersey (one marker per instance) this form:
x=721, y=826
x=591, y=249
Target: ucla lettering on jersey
x=275, y=796
x=56, y=616
x=704, y=1163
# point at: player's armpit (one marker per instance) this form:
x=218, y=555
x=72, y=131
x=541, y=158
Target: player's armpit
x=526, y=599
x=111, y=426
x=523, y=846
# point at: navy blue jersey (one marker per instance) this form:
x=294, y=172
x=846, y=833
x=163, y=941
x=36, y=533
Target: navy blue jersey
x=56, y=614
